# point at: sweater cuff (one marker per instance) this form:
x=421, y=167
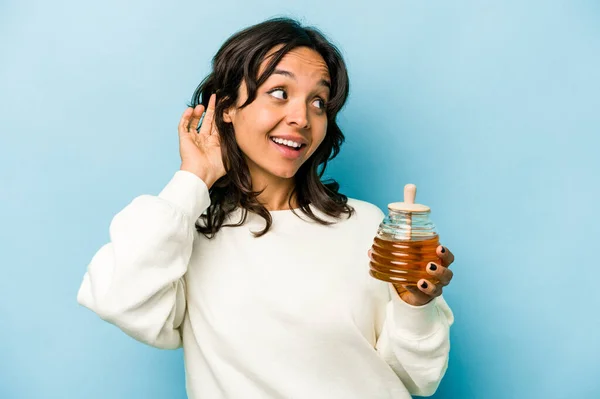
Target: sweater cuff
x=413, y=322
x=188, y=192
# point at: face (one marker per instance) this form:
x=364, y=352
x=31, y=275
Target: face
x=287, y=121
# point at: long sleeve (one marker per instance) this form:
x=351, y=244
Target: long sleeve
x=415, y=342
x=136, y=280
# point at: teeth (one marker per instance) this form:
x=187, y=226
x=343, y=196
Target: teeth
x=289, y=143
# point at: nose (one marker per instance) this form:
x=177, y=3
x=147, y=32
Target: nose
x=297, y=115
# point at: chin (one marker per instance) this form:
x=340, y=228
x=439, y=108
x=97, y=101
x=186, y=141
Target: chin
x=287, y=174
x=284, y=173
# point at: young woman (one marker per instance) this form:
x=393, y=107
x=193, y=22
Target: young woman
x=254, y=265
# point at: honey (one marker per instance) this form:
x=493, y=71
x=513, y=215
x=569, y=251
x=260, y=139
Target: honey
x=403, y=262
x=405, y=244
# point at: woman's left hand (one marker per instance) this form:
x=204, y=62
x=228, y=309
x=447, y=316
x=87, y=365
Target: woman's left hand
x=425, y=290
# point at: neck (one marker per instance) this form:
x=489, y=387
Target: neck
x=276, y=191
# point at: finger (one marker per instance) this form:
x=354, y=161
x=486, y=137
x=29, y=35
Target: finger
x=195, y=118
x=214, y=131
x=419, y=295
x=441, y=273
x=445, y=255
x=428, y=288
x=400, y=288
x=184, y=121
x=207, y=122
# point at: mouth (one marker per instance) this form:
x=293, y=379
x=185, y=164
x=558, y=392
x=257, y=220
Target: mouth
x=289, y=149
x=294, y=145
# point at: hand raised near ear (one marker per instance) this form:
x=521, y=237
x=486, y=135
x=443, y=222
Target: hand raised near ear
x=200, y=149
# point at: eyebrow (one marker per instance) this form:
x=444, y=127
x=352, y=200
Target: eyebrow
x=322, y=82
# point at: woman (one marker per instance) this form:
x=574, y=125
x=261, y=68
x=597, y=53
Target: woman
x=253, y=264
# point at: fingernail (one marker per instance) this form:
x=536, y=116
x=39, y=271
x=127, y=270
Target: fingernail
x=432, y=267
x=443, y=250
x=424, y=285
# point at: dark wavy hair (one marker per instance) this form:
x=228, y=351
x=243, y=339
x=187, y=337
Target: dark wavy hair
x=239, y=59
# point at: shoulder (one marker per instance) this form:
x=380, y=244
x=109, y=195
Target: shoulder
x=366, y=212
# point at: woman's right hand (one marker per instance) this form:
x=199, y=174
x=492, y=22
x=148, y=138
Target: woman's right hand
x=201, y=151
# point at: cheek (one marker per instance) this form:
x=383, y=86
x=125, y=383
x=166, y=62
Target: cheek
x=253, y=123
x=318, y=137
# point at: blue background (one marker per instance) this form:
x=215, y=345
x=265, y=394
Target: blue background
x=491, y=108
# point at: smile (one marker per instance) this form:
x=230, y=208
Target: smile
x=288, y=143
x=287, y=148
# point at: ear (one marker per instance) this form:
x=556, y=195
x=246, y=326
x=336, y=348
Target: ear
x=228, y=114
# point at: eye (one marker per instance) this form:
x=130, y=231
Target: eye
x=320, y=103
x=279, y=93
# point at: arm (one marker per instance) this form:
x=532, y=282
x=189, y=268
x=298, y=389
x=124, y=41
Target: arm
x=415, y=342
x=136, y=280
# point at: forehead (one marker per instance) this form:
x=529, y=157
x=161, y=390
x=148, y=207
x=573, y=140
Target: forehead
x=301, y=61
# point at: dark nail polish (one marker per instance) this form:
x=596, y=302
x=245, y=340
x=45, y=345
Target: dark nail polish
x=432, y=267
x=443, y=250
x=424, y=285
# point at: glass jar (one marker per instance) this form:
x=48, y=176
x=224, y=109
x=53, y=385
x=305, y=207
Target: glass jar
x=405, y=243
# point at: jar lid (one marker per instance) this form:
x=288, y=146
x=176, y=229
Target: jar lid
x=410, y=192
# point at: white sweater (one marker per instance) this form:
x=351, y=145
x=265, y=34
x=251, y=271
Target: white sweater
x=292, y=314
